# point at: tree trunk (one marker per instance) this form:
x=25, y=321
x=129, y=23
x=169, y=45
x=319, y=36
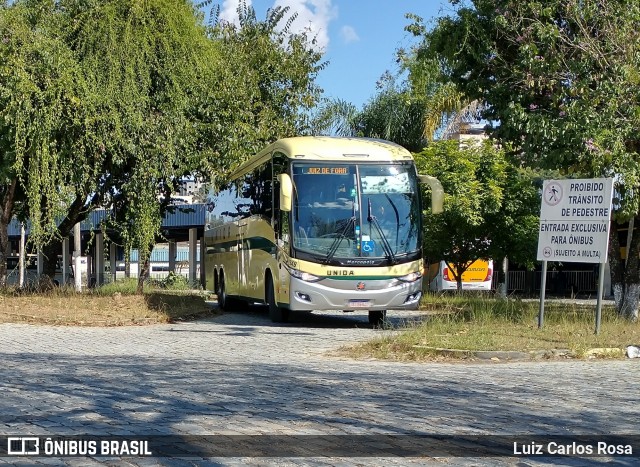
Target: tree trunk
x=625, y=277
x=616, y=266
x=6, y=214
x=50, y=251
x=144, y=268
x=503, y=273
x=4, y=252
x=629, y=308
x=460, y=268
x=454, y=269
x=77, y=213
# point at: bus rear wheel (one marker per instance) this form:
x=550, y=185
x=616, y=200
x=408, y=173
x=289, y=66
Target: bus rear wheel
x=225, y=302
x=377, y=317
x=276, y=313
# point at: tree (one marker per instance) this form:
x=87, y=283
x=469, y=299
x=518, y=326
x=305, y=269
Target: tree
x=559, y=80
x=145, y=67
x=394, y=115
x=391, y=115
x=447, y=110
x=334, y=117
x=145, y=94
x=482, y=197
x=409, y=111
x=265, y=87
x=515, y=226
x=38, y=99
x=100, y=104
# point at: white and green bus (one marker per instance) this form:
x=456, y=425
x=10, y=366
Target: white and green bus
x=319, y=223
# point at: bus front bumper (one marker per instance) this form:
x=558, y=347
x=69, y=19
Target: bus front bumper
x=354, y=294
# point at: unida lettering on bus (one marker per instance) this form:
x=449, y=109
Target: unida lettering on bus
x=340, y=272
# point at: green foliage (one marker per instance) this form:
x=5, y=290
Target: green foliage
x=110, y=103
x=264, y=88
x=560, y=83
x=560, y=80
x=391, y=115
x=447, y=110
x=484, y=196
x=121, y=286
x=515, y=225
x=39, y=87
x=173, y=281
x=334, y=117
x=148, y=67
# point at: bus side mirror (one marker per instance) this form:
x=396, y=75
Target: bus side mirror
x=437, y=193
x=286, y=192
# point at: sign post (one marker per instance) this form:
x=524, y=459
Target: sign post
x=574, y=227
x=543, y=289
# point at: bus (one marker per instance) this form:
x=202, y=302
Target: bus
x=478, y=276
x=319, y=223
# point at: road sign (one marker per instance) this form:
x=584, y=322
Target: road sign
x=574, y=220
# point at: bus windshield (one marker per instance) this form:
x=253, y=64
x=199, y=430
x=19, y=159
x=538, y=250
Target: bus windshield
x=343, y=211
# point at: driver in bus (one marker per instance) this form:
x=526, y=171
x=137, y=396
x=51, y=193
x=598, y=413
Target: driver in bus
x=310, y=193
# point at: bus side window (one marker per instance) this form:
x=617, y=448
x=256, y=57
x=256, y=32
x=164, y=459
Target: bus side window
x=283, y=231
x=280, y=218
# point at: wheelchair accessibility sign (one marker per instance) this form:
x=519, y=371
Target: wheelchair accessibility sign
x=368, y=246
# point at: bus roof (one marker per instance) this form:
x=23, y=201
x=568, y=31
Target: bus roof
x=329, y=148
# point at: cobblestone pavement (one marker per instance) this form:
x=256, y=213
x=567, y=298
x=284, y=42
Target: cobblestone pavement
x=239, y=374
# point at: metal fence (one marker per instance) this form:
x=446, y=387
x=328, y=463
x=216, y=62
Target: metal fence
x=558, y=282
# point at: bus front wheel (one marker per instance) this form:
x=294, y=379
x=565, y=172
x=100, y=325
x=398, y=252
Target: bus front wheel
x=276, y=313
x=377, y=317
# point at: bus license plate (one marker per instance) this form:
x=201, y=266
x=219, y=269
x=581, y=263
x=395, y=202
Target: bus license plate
x=360, y=303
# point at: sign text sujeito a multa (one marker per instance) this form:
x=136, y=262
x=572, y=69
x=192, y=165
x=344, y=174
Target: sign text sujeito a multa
x=574, y=220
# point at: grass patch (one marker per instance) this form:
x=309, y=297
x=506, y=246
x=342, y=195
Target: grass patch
x=490, y=324
x=110, y=305
x=122, y=286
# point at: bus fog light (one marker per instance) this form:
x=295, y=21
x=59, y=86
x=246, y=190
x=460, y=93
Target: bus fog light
x=414, y=297
x=303, y=296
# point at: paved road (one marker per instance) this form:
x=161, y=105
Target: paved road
x=239, y=374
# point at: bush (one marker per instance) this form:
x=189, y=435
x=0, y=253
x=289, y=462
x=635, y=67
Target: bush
x=173, y=281
x=126, y=286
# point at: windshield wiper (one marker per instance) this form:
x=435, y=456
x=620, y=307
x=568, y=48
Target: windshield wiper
x=385, y=243
x=395, y=210
x=338, y=240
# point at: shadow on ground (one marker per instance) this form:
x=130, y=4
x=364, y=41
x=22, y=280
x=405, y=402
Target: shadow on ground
x=336, y=319
x=161, y=396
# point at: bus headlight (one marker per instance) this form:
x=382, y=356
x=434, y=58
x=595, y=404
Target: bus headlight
x=412, y=277
x=304, y=276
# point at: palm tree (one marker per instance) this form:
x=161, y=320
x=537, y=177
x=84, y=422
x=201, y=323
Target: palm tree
x=448, y=112
x=335, y=117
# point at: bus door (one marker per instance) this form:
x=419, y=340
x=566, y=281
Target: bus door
x=282, y=235
x=243, y=257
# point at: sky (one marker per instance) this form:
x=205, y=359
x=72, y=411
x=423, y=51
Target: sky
x=358, y=37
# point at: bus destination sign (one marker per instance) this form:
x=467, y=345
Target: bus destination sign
x=325, y=171
x=574, y=220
